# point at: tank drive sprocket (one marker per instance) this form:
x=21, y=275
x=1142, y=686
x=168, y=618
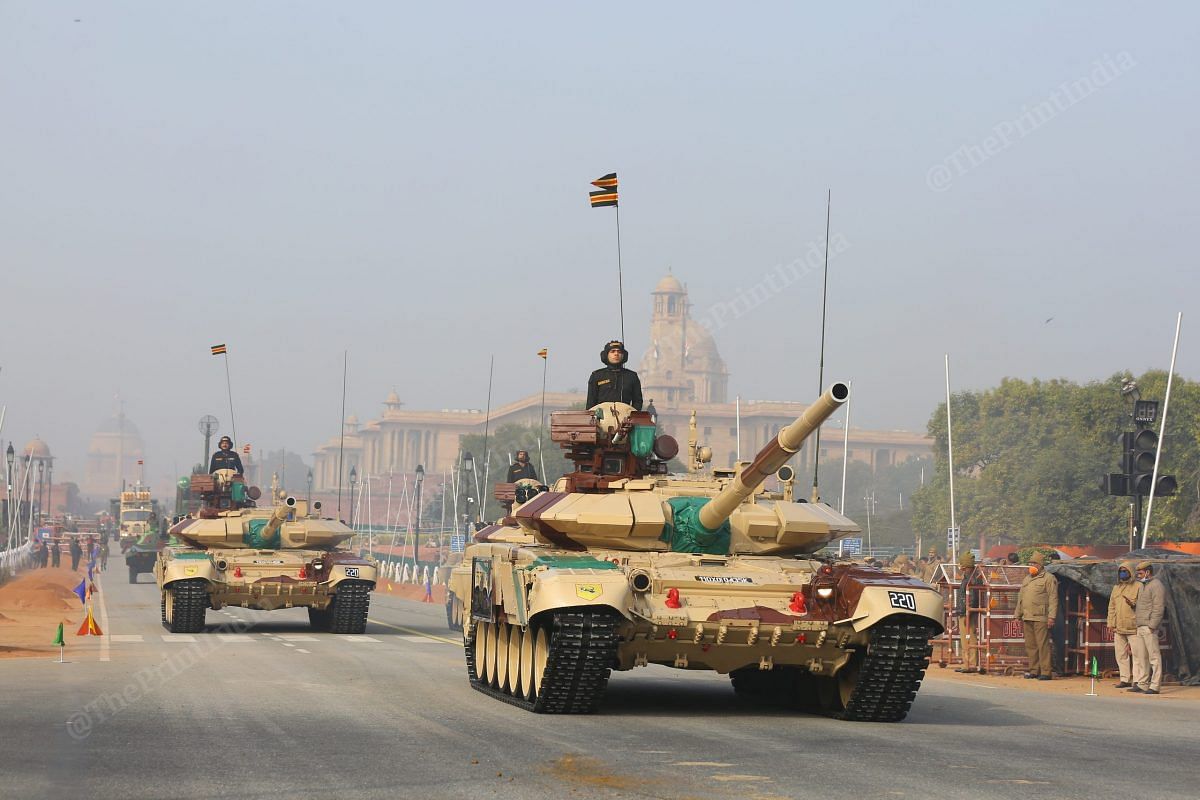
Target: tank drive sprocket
x=572, y=653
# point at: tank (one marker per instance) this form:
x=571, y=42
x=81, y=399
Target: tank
x=620, y=565
x=233, y=553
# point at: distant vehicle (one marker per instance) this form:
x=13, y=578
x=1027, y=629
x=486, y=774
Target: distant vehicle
x=136, y=515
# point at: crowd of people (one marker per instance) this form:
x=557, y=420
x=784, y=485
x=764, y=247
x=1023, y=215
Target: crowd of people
x=47, y=550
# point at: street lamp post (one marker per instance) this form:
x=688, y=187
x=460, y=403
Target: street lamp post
x=41, y=483
x=417, y=525
x=309, y=480
x=28, y=498
x=9, y=456
x=353, y=480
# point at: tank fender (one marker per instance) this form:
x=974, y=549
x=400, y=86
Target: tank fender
x=347, y=571
x=187, y=567
x=876, y=603
x=555, y=589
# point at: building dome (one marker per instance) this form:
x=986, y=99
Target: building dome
x=112, y=456
x=393, y=399
x=669, y=283
x=37, y=449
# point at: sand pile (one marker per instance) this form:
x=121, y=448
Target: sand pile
x=42, y=590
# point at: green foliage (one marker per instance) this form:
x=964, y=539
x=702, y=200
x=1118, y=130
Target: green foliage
x=887, y=494
x=1029, y=458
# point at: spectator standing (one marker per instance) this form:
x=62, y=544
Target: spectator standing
x=1151, y=603
x=55, y=552
x=1122, y=621
x=76, y=553
x=1037, y=608
x=962, y=609
x=103, y=553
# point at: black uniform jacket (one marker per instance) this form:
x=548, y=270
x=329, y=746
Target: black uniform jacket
x=225, y=459
x=620, y=385
x=517, y=471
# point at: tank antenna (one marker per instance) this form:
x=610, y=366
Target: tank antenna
x=342, y=428
x=821, y=364
x=606, y=195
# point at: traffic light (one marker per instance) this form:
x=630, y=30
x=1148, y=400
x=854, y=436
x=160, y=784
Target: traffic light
x=1140, y=451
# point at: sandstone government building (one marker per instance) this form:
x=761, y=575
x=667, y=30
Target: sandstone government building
x=682, y=371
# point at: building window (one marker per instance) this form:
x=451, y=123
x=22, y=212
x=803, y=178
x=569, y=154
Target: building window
x=670, y=305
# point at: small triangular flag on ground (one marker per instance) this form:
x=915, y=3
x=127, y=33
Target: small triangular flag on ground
x=89, y=626
x=1095, y=668
x=81, y=591
x=58, y=640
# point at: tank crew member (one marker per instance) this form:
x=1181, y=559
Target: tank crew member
x=1151, y=604
x=1037, y=608
x=613, y=383
x=225, y=457
x=1122, y=621
x=521, y=468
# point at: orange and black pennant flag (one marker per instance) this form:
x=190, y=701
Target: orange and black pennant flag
x=218, y=349
x=606, y=193
x=543, y=352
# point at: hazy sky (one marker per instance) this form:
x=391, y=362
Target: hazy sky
x=409, y=182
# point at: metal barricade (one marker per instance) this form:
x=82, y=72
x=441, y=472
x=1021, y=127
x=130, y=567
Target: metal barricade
x=945, y=645
x=1000, y=635
x=1088, y=634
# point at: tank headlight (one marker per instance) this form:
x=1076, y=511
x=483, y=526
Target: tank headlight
x=318, y=565
x=824, y=592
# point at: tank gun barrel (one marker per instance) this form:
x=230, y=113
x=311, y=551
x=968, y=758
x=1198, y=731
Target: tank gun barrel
x=772, y=457
x=278, y=517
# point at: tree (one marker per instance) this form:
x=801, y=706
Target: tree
x=1029, y=457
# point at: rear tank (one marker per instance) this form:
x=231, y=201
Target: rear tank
x=621, y=565
x=232, y=553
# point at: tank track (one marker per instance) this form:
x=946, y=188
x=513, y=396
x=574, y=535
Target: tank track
x=582, y=647
x=890, y=673
x=190, y=601
x=348, y=611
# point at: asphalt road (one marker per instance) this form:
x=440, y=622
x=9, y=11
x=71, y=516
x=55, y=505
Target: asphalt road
x=259, y=706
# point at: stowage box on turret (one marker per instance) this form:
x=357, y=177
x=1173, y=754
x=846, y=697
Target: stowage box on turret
x=621, y=565
x=235, y=554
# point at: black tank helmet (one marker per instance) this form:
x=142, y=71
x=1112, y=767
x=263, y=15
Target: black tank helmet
x=611, y=345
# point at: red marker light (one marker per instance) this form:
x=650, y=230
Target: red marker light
x=801, y=638
x=673, y=600
x=672, y=634
x=826, y=570
x=303, y=573
x=237, y=572
x=797, y=605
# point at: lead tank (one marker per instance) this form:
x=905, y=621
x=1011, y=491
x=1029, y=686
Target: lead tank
x=620, y=565
x=233, y=553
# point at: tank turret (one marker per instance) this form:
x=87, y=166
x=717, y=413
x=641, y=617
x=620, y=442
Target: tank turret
x=620, y=495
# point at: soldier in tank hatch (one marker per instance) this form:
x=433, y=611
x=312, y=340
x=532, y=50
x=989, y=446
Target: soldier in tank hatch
x=521, y=468
x=613, y=383
x=225, y=457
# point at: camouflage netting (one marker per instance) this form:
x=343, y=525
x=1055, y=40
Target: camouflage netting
x=688, y=535
x=1180, y=575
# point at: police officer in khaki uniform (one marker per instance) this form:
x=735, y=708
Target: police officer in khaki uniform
x=1151, y=605
x=967, y=641
x=1037, y=608
x=1122, y=620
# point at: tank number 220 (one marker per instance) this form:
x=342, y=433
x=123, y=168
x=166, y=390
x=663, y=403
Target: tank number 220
x=904, y=600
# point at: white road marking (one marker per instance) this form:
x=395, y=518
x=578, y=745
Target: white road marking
x=234, y=637
x=301, y=650
x=287, y=644
x=296, y=637
x=358, y=637
x=178, y=637
x=419, y=639
x=126, y=637
x=104, y=653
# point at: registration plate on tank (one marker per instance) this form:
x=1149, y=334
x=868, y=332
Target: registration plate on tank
x=267, y=561
x=724, y=579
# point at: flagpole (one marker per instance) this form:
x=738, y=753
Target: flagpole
x=229, y=390
x=821, y=363
x=1162, y=428
x=487, y=461
x=620, y=279
x=342, y=428
x=542, y=417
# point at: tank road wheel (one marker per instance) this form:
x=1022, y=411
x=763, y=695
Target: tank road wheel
x=183, y=606
x=528, y=635
x=541, y=657
x=494, y=646
x=879, y=684
x=514, y=661
x=133, y=573
x=559, y=665
x=483, y=637
x=319, y=618
x=348, y=609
